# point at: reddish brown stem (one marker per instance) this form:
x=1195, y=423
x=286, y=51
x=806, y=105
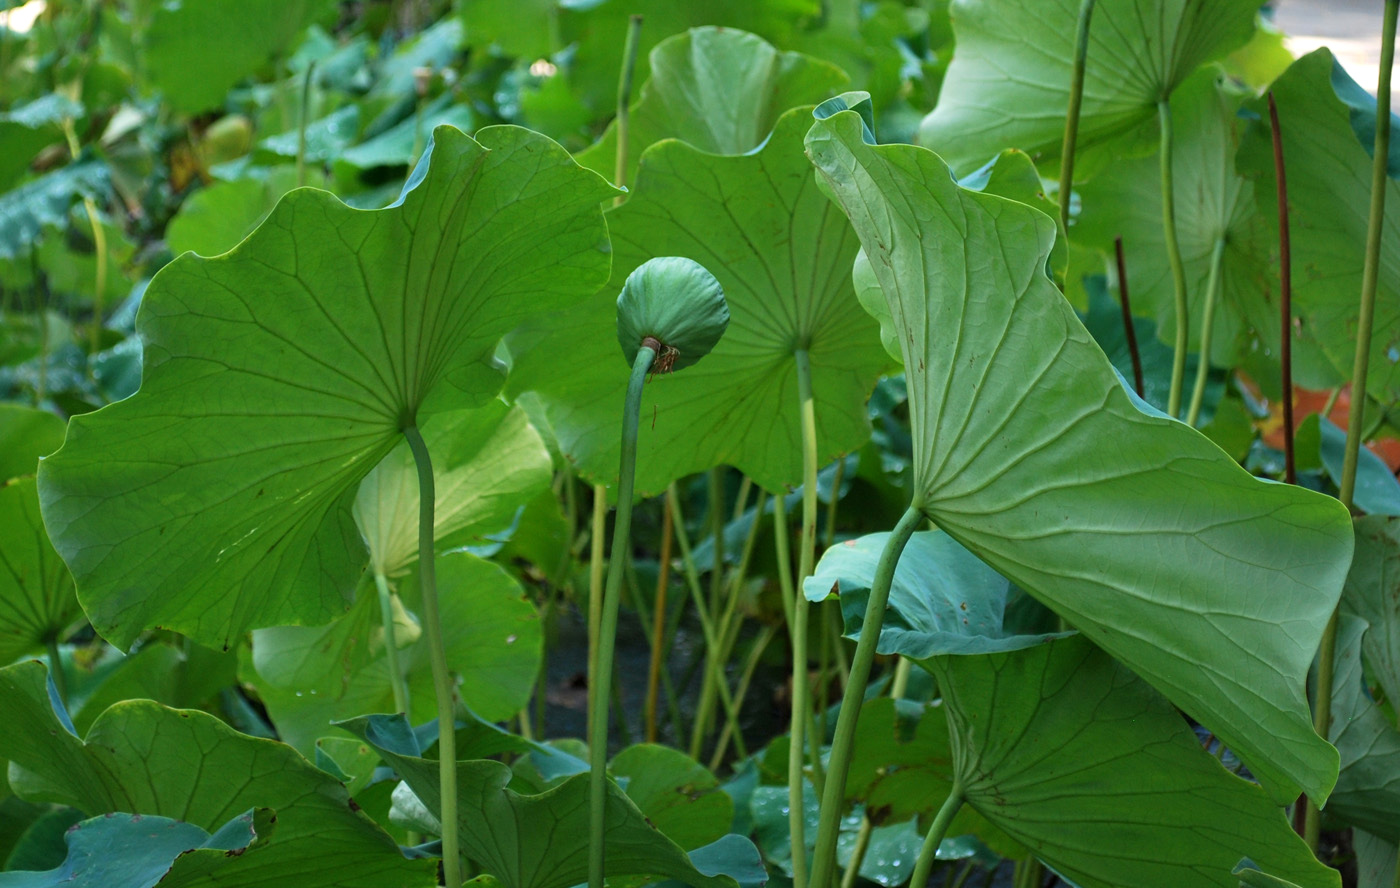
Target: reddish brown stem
x=1285, y=272
x=1128, y=329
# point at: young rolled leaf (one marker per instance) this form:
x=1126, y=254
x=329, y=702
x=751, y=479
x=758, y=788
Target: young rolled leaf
x=218, y=498
x=1082, y=762
x=783, y=255
x=1210, y=584
x=141, y=757
x=541, y=841
x=1008, y=84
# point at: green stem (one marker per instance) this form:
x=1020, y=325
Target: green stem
x=1076, y=96
x=437, y=654
x=595, y=585
x=1183, y=320
x=60, y=681
x=303, y=121
x=1322, y=714
x=839, y=762
x=867, y=828
x=658, y=629
x=936, y=831
x=624, y=98
x=806, y=554
x=732, y=730
x=797, y=825
x=1198, y=391
x=391, y=647
x=622, y=532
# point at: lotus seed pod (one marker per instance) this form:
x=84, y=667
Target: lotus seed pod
x=676, y=302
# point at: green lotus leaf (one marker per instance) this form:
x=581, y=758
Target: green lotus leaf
x=25, y=129
x=194, y=50
x=1376, y=490
x=675, y=301
x=37, y=602
x=1371, y=594
x=24, y=211
x=600, y=31
x=783, y=255
x=136, y=851
x=310, y=676
x=677, y=794
x=1376, y=860
x=26, y=434
x=943, y=600
x=214, y=219
x=1008, y=84
x=1028, y=451
x=1368, y=788
x=1213, y=204
x=218, y=498
x=487, y=464
x=541, y=841
x=719, y=89
x=1086, y=765
x=144, y=758
x=1329, y=195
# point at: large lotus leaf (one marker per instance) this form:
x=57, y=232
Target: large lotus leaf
x=311, y=676
x=1376, y=860
x=194, y=50
x=1096, y=773
x=783, y=254
x=1212, y=585
x=1373, y=593
x=718, y=89
x=174, y=672
x=676, y=793
x=1008, y=85
x=1329, y=194
x=135, y=851
x=600, y=30
x=541, y=841
x=487, y=464
x=943, y=600
x=141, y=757
x=214, y=219
x=1329, y=198
x=218, y=498
x=1368, y=788
x=36, y=591
x=1212, y=203
x=26, y=434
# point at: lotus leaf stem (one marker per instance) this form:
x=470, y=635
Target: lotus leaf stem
x=936, y=831
x=1183, y=319
x=1198, y=391
x=1076, y=97
x=1285, y=280
x=391, y=647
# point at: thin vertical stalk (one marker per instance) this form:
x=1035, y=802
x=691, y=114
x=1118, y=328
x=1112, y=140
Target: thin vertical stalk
x=806, y=555
x=829, y=538
x=842, y=744
x=936, y=831
x=1076, y=96
x=624, y=100
x=1285, y=280
x=1198, y=391
x=391, y=647
x=1129, y=330
x=303, y=120
x=99, y=245
x=437, y=654
x=760, y=644
x=1322, y=713
x=658, y=627
x=595, y=585
x=1183, y=320
x=797, y=824
x=622, y=531
x=898, y=685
